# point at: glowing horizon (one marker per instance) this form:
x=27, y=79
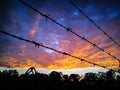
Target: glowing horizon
x=24, y=22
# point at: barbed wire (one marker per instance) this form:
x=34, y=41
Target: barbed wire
x=69, y=30
x=105, y=33
x=61, y=52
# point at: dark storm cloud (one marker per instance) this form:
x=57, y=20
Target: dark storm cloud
x=12, y=19
x=99, y=8
x=6, y=6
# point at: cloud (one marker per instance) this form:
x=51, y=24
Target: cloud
x=19, y=20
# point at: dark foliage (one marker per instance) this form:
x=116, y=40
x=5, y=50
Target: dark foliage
x=11, y=80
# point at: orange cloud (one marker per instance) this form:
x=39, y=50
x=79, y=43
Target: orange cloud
x=76, y=47
x=63, y=63
x=14, y=63
x=29, y=63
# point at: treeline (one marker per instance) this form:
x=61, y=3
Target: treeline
x=11, y=80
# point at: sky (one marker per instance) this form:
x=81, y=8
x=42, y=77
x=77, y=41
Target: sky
x=22, y=21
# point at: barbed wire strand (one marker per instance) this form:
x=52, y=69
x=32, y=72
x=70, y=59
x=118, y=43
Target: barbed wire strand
x=69, y=30
x=61, y=52
x=105, y=33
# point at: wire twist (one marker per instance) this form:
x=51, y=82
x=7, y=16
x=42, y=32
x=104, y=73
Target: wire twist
x=61, y=52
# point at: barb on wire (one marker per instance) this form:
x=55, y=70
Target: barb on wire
x=46, y=16
x=41, y=45
x=81, y=11
x=68, y=29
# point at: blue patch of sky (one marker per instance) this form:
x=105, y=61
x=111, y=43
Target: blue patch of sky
x=49, y=51
x=21, y=16
x=22, y=21
x=25, y=28
x=21, y=32
x=42, y=37
x=38, y=38
x=54, y=36
x=75, y=13
x=11, y=30
x=90, y=9
x=87, y=34
x=85, y=23
x=97, y=17
x=55, y=42
x=61, y=20
x=113, y=15
x=96, y=32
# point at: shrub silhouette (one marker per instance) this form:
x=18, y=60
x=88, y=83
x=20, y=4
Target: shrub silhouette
x=11, y=80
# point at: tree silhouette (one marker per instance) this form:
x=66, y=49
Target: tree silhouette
x=11, y=80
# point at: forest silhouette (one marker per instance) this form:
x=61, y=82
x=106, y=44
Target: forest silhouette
x=11, y=80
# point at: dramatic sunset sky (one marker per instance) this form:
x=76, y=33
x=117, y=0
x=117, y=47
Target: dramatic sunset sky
x=20, y=20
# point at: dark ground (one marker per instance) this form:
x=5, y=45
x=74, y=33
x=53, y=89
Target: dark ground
x=11, y=80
